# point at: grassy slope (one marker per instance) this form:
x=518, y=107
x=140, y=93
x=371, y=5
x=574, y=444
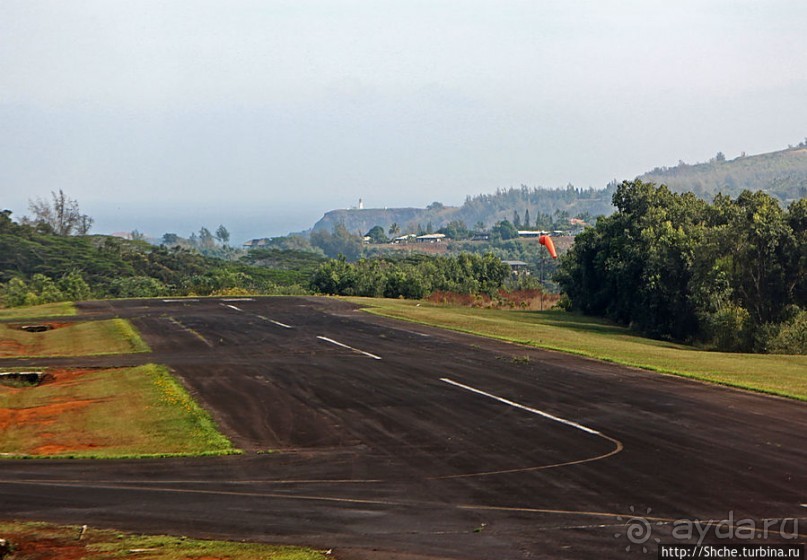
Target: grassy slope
x=61, y=309
x=40, y=540
x=112, y=336
x=586, y=336
x=140, y=411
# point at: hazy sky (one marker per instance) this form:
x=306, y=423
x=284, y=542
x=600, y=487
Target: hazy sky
x=262, y=115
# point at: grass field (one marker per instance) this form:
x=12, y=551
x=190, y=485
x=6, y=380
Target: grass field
x=112, y=336
x=61, y=309
x=558, y=330
x=112, y=413
x=41, y=540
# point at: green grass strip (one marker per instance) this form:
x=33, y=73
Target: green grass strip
x=130, y=334
x=46, y=310
x=784, y=375
x=56, y=541
x=119, y=413
x=87, y=338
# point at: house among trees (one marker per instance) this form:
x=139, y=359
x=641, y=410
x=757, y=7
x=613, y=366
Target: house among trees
x=430, y=238
x=254, y=243
x=518, y=268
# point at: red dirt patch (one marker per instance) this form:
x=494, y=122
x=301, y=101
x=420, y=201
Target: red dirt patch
x=47, y=549
x=42, y=415
x=54, y=449
x=42, y=420
x=65, y=377
x=10, y=348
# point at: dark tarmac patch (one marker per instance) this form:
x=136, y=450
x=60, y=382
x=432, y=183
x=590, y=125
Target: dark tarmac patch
x=368, y=453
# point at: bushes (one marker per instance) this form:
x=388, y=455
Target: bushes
x=41, y=289
x=137, y=286
x=411, y=277
x=789, y=337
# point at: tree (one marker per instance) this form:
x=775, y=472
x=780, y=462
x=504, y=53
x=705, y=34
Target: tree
x=206, y=239
x=527, y=218
x=376, y=235
x=223, y=235
x=84, y=224
x=170, y=239
x=337, y=242
x=516, y=220
x=455, y=229
x=394, y=230
x=74, y=287
x=334, y=277
x=635, y=265
x=504, y=230
x=673, y=266
x=61, y=214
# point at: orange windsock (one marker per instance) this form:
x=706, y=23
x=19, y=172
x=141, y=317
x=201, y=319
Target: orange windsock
x=546, y=241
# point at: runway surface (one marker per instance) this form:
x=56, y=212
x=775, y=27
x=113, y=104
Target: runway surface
x=394, y=440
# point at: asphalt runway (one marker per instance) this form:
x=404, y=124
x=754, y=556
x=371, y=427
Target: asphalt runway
x=392, y=440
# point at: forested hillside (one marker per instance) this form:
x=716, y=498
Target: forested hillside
x=781, y=174
x=39, y=266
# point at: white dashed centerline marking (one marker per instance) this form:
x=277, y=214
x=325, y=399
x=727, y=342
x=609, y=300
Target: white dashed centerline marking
x=522, y=407
x=332, y=341
x=278, y=323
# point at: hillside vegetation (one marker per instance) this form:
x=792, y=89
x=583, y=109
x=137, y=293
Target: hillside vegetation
x=781, y=174
x=39, y=266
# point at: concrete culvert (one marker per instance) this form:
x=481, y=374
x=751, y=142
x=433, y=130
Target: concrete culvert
x=36, y=328
x=22, y=378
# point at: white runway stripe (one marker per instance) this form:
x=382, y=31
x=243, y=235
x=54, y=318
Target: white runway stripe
x=522, y=407
x=332, y=341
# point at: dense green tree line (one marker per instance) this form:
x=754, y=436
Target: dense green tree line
x=413, y=277
x=731, y=274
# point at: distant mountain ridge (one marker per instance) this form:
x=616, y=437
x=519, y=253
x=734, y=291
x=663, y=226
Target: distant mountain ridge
x=783, y=174
x=539, y=203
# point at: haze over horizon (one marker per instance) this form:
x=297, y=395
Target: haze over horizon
x=261, y=116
